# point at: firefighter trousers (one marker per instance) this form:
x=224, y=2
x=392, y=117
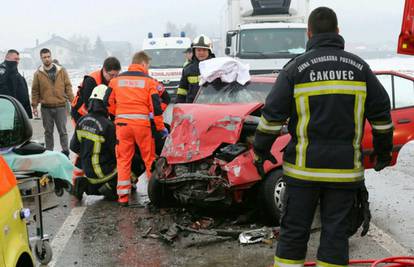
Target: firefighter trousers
x=297, y=217
x=128, y=135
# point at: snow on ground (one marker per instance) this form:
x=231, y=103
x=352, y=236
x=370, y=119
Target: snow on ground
x=404, y=64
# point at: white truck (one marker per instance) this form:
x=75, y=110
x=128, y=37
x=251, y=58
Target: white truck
x=266, y=34
x=167, y=62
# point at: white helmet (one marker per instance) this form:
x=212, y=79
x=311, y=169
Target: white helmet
x=202, y=41
x=99, y=92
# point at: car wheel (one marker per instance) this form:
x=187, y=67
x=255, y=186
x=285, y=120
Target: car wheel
x=271, y=194
x=159, y=194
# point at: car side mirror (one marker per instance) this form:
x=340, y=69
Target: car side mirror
x=227, y=51
x=15, y=127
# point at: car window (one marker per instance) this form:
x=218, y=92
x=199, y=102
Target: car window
x=7, y=115
x=224, y=93
x=385, y=80
x=404, y=92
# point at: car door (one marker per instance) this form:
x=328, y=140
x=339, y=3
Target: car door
x=400, y=88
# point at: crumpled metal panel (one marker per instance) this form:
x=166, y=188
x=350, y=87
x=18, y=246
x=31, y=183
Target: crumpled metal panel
x=241, y=170
x=199, y=129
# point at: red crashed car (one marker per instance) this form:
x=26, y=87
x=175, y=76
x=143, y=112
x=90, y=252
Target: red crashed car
x=208, y=159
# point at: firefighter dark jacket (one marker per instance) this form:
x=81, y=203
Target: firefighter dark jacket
x=94, y=140
x=326, y=94
x=189, y=83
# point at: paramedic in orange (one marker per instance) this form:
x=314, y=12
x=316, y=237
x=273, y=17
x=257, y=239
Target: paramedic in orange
x=110, y=69
x=133, y=99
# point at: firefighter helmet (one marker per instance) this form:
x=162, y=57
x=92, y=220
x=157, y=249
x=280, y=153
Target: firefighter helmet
x=202, y=41
x=99, y=92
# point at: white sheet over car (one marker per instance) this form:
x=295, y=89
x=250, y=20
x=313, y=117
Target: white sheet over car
x=227, y=69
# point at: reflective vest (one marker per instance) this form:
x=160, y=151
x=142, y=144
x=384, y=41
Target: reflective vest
x=78, y=104
x=134, y=97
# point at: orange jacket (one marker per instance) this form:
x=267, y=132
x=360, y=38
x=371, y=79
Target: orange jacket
x=164, y=97
x=78, y=104
x=7, y=178
x=134, y=93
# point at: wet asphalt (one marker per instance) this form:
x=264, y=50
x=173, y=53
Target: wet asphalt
x=109, y=235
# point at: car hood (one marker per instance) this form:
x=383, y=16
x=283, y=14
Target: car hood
x=197, y=130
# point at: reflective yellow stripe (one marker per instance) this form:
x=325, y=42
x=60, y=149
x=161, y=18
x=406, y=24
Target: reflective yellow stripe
x=323, y=175
x=90, y=136
x=269, y=127
x=103, y=179
x=97, y=140
x=331, y=82
x=359, y=122
x=325, y=264
x=302, y=107
x=329, y=87
x=181, y=91
x=303, y=91
x=193, y=79
x=279, y=262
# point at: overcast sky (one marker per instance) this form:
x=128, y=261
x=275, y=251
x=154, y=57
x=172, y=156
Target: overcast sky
x=24, y=21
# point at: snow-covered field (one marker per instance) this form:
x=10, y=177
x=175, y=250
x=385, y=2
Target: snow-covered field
x=75, y=75
x=404, y=64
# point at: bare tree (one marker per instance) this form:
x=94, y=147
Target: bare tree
x=82, y=41
x=190, y=30
x=172, y=28
x=175, y=30
x=99, y=50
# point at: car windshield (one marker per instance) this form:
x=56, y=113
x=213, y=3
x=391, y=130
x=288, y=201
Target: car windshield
x=272, y=42
x=221, y=93
x=166, y=58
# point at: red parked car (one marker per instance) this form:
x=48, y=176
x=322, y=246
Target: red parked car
x=208, y=158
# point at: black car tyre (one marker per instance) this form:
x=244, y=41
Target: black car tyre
x=271, y=193
x=159, y=194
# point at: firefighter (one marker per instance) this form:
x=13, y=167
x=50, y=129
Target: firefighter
x=325, y=95
x=110, y=69
x=134, y=99
x=188, y=88
x=188, y=55
x=94, y=141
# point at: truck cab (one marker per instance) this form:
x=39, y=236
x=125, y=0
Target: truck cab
x=267, y=34
x=167, y=62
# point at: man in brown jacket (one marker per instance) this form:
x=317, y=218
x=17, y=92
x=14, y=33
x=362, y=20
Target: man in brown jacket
x=52, y=89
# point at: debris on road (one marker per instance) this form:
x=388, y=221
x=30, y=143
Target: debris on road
x=257, y=235
x=185, y=228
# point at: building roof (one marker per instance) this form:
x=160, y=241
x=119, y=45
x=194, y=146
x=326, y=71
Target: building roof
x=57, y=40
